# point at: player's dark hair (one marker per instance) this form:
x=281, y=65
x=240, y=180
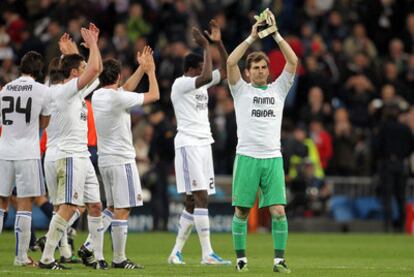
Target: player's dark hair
x=69, y=62
x=54, y=72
x=32, y=64
x=110, y=73
x=192, y=60
x=256, y=57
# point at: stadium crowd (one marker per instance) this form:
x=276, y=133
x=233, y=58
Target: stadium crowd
x=352, y=65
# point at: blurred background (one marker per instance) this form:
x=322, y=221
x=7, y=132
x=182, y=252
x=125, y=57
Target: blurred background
x=348, y=124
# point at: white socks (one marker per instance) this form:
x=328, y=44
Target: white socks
x=96, y=232
x=107, y=216
x=22, y=231
x=202, y=224
x=1, y=219
x=64, y=247
x=56, y=229
x=119, y=238
x=74, y=217
x=185, y=226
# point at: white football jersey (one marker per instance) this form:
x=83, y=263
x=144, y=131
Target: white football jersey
x=259, y=114
x=53, y=128
x=71, y=119
x=111, y=110
x=191, y=110
x=21, y=103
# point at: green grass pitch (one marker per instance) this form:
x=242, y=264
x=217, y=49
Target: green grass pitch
x=307, y=255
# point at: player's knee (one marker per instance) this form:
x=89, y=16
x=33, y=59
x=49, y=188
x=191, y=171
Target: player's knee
x=94, y=209
x=242, y=213
x=277, y=210
x=121, y=214
x=200, y=199
x=189, y=204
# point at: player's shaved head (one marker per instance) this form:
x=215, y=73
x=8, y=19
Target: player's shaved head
x=255, y=57
x=192, y=60
x=70, y=62
x=110, y=73
x=32, y=64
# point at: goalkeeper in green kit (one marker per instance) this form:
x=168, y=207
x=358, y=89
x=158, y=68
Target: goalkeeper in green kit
x=258, y=165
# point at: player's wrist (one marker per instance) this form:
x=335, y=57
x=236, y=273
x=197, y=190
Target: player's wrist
x=250, y=39
x=277, y=37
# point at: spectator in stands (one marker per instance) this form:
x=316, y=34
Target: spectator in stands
x=161, y=154
x=309, y=193
x=391, y=76
x=322, y=140
x=137, y=26
x=409, y=78
x=359, y=42
x=358, y=93
x=343, y=159
x=408, y=34
x=392, y=145
x=304, y=148
x=316, y=108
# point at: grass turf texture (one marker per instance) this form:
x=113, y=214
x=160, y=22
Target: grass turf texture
x=307, y=255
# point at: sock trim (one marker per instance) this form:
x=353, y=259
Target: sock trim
x=24, y=213
x=117, y=223
x=187, y=216
x=239, y=220
x=202, y=212
x=279, y=218
x=108, y=213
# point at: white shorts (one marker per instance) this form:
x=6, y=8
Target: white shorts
x=76, y=182
x=27, y=175
x=51, y=180
x=194, y=169
x=122, y=185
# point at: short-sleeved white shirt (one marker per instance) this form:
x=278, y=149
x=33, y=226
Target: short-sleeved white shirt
x=21, y=103
x=259, y=114
x=71, y=119
x=53, y=128
x=111, y=110
x=191, y=110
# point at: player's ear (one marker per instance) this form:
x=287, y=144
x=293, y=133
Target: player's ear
x=74, y=72
x=118, y=79
x=246, y=72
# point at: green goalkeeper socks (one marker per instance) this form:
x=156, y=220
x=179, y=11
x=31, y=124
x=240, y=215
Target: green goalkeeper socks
x=239, y=232
x=279, y=234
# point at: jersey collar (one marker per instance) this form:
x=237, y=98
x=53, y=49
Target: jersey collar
x=264, y=87
x=27, y=77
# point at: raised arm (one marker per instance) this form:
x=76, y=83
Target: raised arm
x=287, y=51
x=233, y=70
x=205, y=77
x=95, y=31
x=148, y=65
x=135, y=78
x=215, y=37
x=67, y=46
x=94, y=61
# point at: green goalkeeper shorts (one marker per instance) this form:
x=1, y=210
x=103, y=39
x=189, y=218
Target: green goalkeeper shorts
x=250, y=174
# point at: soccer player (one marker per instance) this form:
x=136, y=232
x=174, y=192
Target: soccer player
x=77, y=183
x=193, y=157
x=258, y=162
x=55, y=77
x=25, y=106
x=116, y=154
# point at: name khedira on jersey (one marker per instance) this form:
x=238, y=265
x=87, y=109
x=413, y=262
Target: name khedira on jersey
x=19, y=87
x=260, y=112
